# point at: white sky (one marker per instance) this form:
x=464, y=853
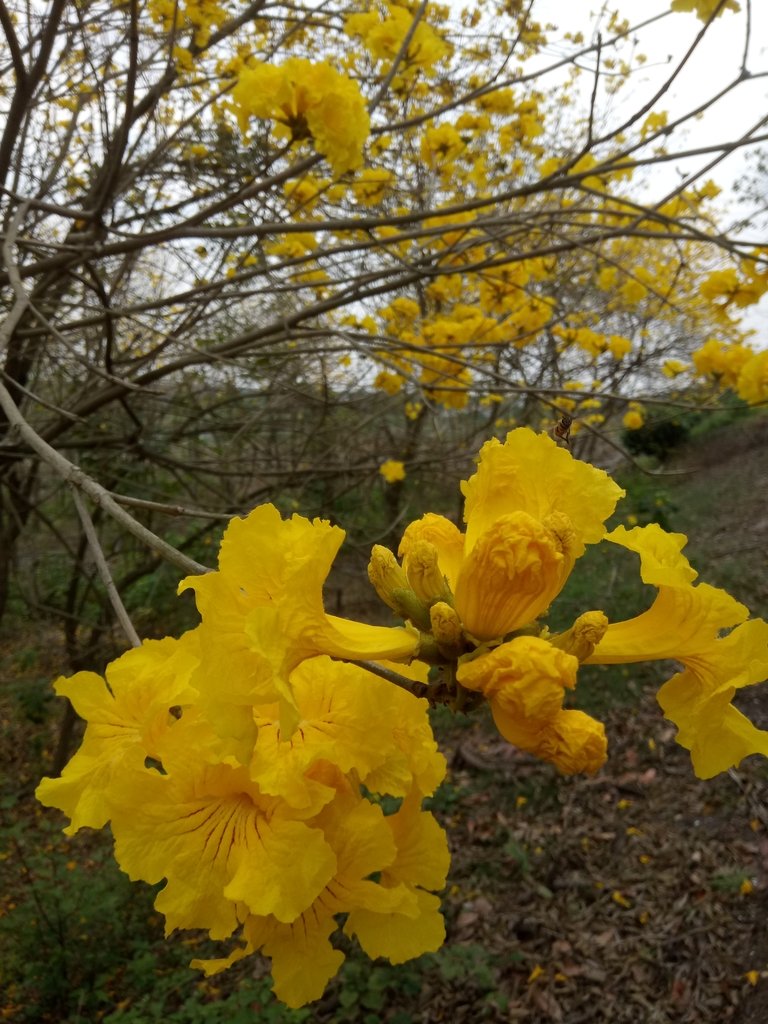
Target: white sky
x=715, y=63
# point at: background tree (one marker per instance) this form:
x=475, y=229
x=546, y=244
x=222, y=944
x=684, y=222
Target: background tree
x=237, y=236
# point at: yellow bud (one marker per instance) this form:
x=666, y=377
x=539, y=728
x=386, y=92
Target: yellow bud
x=385, y=573
x=446, y=628
x=424, y=574
x=583, y=636
x=391, y=584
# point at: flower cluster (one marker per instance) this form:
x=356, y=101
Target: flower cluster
x=252, y=772
x=384, y=37
x=705, y=9
x=306, y=100
x=736, y=366
x=481, y=595
x=271, y=764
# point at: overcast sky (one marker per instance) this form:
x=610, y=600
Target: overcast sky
x=715, y=63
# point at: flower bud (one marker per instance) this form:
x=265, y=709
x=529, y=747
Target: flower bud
x=424, y=574
x=391, y=584
x=446, y=629
x=583, y=636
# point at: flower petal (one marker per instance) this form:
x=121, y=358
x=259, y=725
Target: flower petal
x=444, y=535
x=510, y=576
x=661, y=560
x=530, y=473
x=682, y=621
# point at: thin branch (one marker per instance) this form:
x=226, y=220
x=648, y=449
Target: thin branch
x=170, y=510
x=73, y=475
x=103, y=569
x=417, y=689
x=401, y=53
x=13, y=45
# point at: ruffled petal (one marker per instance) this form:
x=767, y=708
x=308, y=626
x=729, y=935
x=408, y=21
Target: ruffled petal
x=681, y=621
x=526, y=676
x=510, y=576
x=127, y=717
x=717, y=734
x=303, y=959
x=283, y=866
x=530, y=473
x=572, y=740
x=662, y=562
x=444, y=535
x=400, y=937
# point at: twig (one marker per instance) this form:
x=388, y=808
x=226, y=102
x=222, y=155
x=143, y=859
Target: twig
x=103, y=569
x=401, y=53
x=73, y=475
x=168, y=509
x=392, y=677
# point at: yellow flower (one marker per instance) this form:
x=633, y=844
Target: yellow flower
x=704, y=9
x=530, y=511
x=395, y=916
x=421, y=864
x=307, y=100
x=389, y=382
x=633, y=420
x=252, y=769
x=722, y=361
x=392, y=470
x=685, y=623
x=440, y=145
x=335, y=704
x=724, y=287
x=515, y=569
x=372, y=185
x=525, y=681
x=752, y=384
x=525, y=677
x=220, y=843
x=126, y=717
x=384, y=38
x=263, y=611
x=674, y=367
x=619, y=346
x=530, y=473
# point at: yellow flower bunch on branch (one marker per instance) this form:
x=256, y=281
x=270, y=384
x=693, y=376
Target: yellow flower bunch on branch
x=306, y=101
x=271, y=764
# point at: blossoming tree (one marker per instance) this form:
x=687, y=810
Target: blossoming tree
x=235, y=232
x=213, y=208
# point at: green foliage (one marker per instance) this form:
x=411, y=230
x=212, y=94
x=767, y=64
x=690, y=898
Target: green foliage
x=731, y=409
x=659, y=436
x=365, y=990
x=34, y=699
x=668, y=428
x=79, y=942
x=730, y=881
